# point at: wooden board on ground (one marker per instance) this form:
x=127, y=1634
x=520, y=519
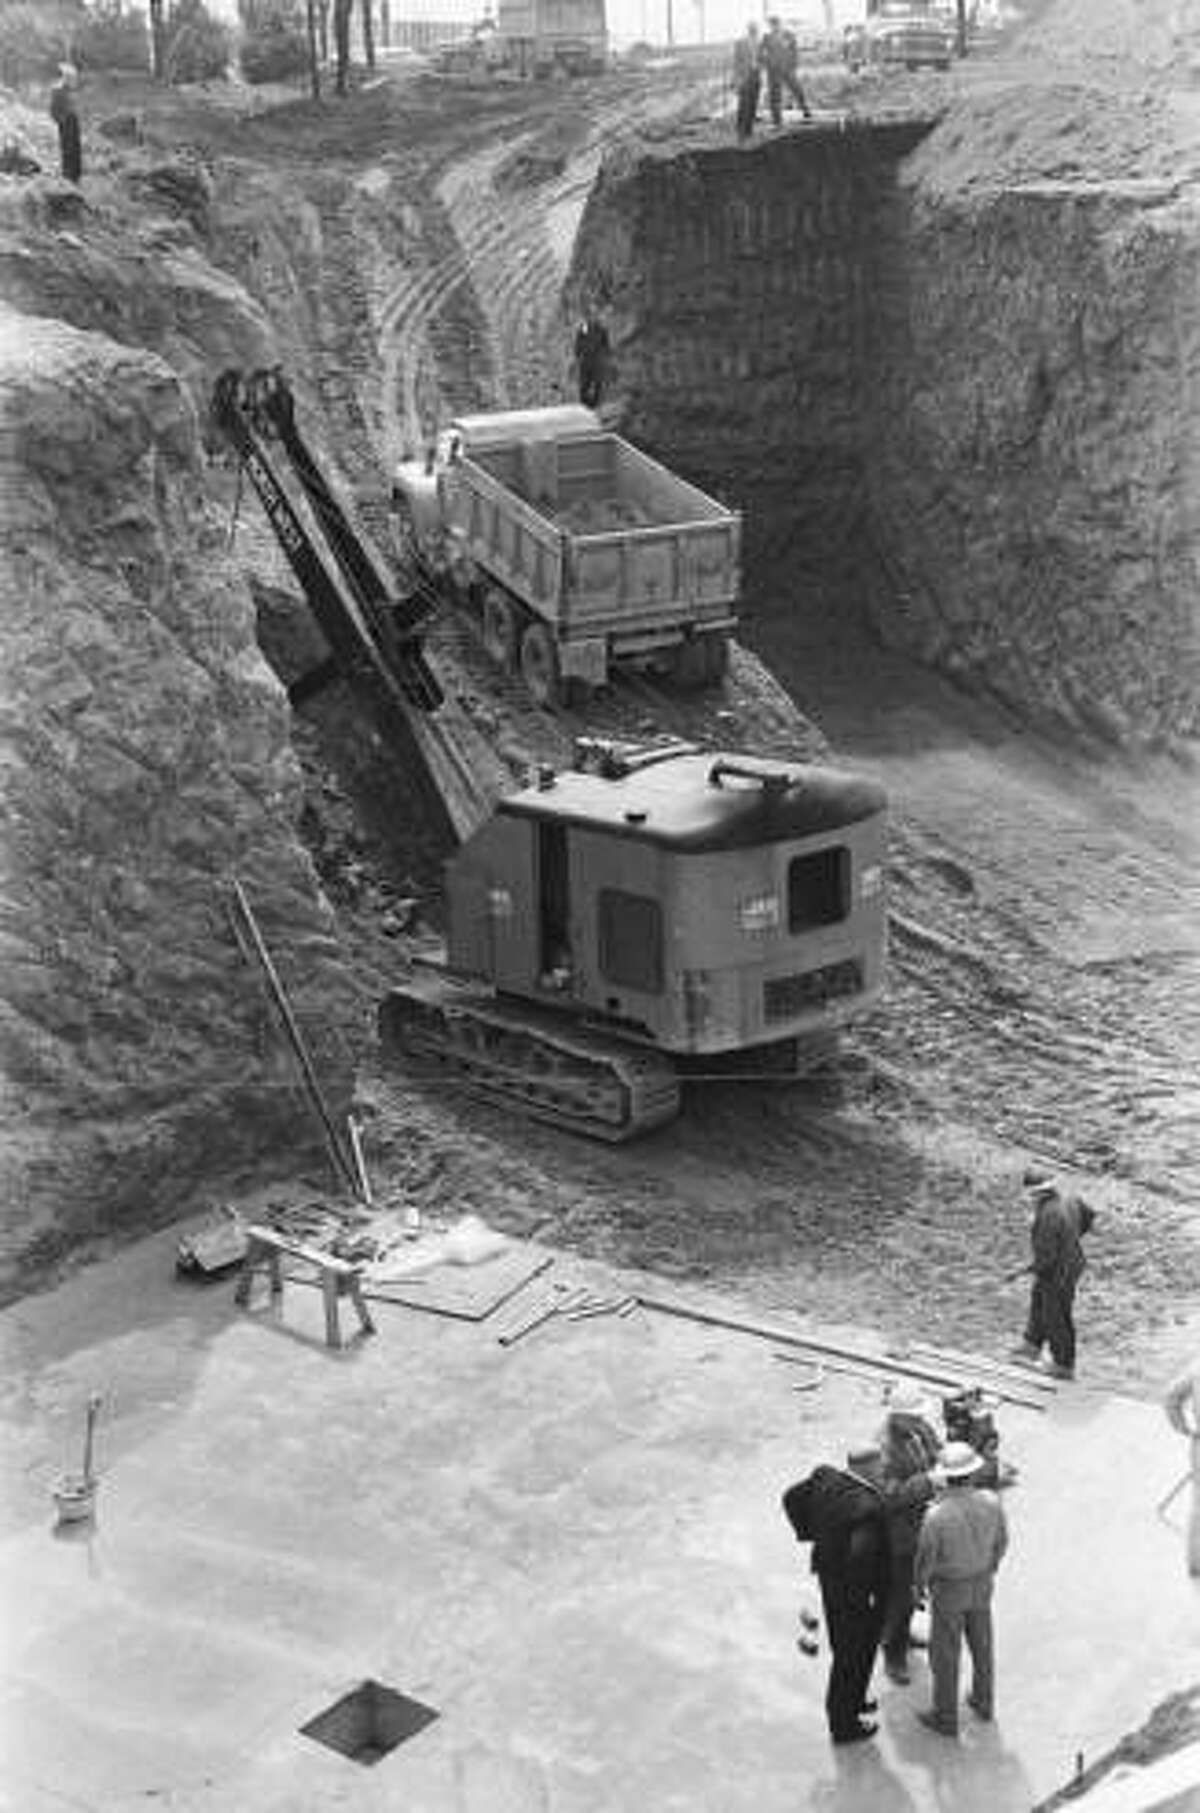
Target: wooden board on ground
x=469, y=1291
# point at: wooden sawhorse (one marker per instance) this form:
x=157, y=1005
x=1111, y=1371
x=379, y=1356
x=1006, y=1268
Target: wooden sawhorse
x=338, y=1277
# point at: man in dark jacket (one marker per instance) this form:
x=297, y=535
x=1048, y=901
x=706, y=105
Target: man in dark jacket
x=747, y=78
x=65, y=114
x=842, y=1516
x=1056, y=1236
x=593, y=350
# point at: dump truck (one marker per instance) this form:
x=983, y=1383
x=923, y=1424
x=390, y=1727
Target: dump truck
x=576, y=551
x=532, y=38
x=540, y=36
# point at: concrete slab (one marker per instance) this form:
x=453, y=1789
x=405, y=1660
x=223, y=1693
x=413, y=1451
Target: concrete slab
x=573, y=1549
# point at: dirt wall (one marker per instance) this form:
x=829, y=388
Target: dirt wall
x=1031, y=448
x=985, y=390
x=147, y=761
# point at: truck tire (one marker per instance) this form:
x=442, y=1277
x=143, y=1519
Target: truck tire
x=500, y=637
x=700, y=661
x=689, y=664
x=539, y=666
x=716, y=658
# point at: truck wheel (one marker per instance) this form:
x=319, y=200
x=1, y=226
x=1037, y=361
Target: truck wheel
x=539, y=665
x=500, y=630
x=716, y=659
x=689, y=664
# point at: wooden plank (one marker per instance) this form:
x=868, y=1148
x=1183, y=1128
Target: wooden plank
x=882, y=1363
x=269, y=1239
x=468, y=1292
x=937, y=1382
x=1017, y=1374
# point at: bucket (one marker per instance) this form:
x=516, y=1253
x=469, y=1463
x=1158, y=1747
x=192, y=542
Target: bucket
x=75, y=1496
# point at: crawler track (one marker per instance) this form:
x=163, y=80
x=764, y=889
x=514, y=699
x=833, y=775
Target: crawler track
x=572, y=1076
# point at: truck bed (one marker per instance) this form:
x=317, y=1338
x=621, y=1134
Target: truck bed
x=597, y=536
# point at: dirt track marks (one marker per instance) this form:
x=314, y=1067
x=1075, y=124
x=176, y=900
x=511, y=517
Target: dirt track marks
x=475, y=321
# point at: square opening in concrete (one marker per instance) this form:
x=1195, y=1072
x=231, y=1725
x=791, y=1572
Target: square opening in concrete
x=368, y=1722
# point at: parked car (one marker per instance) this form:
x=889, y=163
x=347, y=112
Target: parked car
x=901, y=34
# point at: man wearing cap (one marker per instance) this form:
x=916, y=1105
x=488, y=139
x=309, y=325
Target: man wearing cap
x=1056, y=1236
x=65, y=114
x=780, y=59
x=909, y=1477
x=962, y=1540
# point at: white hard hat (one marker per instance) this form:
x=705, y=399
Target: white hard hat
x=959, y=1460
x=907, y=1399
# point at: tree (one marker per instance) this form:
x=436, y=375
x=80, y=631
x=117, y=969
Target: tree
x=368, y=25
x=341, y=42
x=314, y=50
x=158, y=40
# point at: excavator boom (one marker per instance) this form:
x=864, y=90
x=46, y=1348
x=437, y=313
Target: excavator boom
x=366, y=625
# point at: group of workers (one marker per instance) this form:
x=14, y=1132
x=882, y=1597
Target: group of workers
x=905, y=1522
x=909, y=1520
x=775, y=55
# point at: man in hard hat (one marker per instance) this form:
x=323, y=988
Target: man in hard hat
x=963, y=1537
x=1056, y=1236
x=1182, y=1405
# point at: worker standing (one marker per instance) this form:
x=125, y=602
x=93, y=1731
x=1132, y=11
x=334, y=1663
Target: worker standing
x=747, y=78
x=1182, y=1405
x=841, y=1514
x=593, y=351
x=65, y=114
x=781, y=60
x=962, y=1540
x=909, y=1445
x=1056, y=1236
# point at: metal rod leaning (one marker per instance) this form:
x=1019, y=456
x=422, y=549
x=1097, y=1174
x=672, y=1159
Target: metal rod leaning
x=341, y=1163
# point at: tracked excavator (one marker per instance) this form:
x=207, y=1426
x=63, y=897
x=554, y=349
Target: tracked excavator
x=652, y=913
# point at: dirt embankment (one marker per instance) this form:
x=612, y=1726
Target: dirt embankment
x=147, y=749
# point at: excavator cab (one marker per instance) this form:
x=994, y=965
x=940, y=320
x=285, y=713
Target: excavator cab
x=703, y=903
